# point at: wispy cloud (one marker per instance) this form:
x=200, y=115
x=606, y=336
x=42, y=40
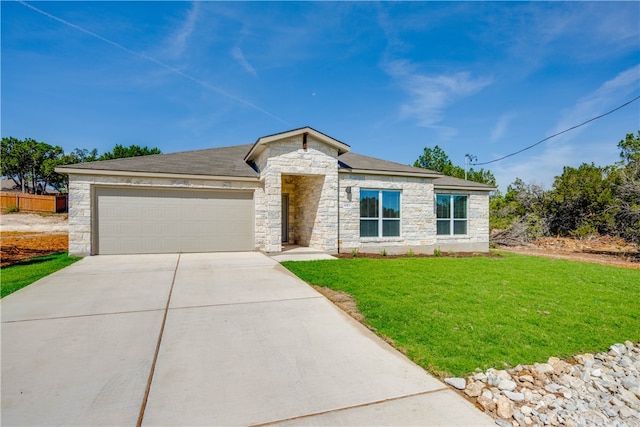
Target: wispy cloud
x=501, y=127
x=568, y=149
x=429, y=95
x=159, y=63
x=238, y=55
x=611, y=93
x=178, y=41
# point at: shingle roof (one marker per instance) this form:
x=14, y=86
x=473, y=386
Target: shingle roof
x=355, y=161
x=224, y=161
x=453, y=183
x=229, y=161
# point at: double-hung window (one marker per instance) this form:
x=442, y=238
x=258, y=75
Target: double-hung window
x=451, y=214
x=379, y=213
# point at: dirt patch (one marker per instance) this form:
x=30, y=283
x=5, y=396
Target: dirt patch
x=603, y=250
x=29, y=235
x=343, y=300
x=18, y=246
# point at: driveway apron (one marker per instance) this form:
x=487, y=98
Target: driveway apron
x=203, y=339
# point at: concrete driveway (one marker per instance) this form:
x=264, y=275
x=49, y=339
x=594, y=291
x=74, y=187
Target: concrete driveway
x=203, y=339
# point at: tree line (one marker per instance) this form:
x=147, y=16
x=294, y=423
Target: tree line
x=31, y=164
x=584, y=201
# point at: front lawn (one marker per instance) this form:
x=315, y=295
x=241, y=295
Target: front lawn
x=453, y=315
x=19, y=275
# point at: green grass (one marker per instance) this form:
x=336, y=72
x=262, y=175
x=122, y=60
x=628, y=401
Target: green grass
x=453, y=315
x=19, y=275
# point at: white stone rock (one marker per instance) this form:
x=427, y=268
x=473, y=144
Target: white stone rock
x=507, y=385
x=516, y=397
x=505, y=407
x=474, y=389
x=459, y=383
x=543, y=368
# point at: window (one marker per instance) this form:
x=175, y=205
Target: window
x=379, y=213
x=451, y=214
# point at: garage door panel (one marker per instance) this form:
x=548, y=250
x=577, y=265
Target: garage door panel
x=166, y=221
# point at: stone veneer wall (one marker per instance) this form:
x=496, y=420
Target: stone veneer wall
x=417, y=230
x=317, y=168
x=81, y=202
x=289, y=187
x=418, y=219
x=477, y=238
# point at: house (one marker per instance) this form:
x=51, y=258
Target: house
x=297, y=187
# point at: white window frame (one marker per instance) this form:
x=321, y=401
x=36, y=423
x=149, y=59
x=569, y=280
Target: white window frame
x=452, y=218
x=380, y=219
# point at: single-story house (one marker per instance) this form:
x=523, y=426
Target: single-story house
x=297, y=187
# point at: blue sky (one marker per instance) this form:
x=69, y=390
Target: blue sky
x=388, y=78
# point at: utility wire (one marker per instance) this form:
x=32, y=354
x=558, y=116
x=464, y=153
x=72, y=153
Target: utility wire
x=157, y=62
x=559, y=133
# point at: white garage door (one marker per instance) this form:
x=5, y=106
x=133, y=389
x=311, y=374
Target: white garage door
x=145, y=221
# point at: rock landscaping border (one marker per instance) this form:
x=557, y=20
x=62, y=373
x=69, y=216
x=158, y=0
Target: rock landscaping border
x=587, y=390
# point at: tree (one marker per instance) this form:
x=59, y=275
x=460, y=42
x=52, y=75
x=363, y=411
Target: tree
x=60, y=182
x=27, y=162
x=627, y=191
x=437, y=160
x=120, y=151
x=518, y=216
x=15, y=160
x=580, y=201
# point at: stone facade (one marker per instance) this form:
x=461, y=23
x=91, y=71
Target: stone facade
x=477, y=237
x=418, y=219
x=321, y=213
x=82, y=193
x=311, y=180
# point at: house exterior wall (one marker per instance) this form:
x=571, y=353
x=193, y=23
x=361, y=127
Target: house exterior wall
x=418, y=219
x=322, y=214
x=81, y=202
x=315, y=169
x=477, y=238
x=417, y=223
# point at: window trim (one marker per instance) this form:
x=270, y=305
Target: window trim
x=452, y=219
x=380, y=218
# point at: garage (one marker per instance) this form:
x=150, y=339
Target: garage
x=145, y=221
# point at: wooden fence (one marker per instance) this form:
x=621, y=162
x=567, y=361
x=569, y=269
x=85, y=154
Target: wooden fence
x=34, y=202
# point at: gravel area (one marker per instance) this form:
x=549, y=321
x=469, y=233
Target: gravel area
x=25, y=222
x=588, y=390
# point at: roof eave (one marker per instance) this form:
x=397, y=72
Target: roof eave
x=388, y=173
x=463, y=187
x=262, y=142
x=103, y=172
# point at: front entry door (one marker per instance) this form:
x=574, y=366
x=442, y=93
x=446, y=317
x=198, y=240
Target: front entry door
x=285, y=218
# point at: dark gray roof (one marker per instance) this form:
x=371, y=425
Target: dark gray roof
x=358, y=161
x=229, y=161
x=453, y=183
x=224, y=161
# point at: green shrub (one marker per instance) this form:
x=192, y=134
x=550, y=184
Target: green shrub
x=354, y=252
x=437, y=252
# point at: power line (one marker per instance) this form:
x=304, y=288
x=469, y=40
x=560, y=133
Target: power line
x=155, y=61
x=559, y=133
